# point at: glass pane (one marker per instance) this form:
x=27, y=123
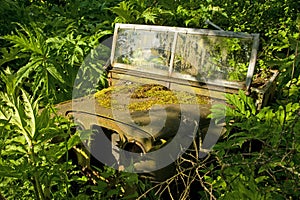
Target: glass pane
x=212, y=57
x=141, y=50
x=199, y=57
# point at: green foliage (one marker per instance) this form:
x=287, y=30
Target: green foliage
x=289, y=67
x=49, y=45
x=29, y=161
x=278, y=34
x=86, y=82
x=52, y=62
x=174, y=13
x=31, y=44
x=258, y=156
x=34, y=154
x=43, y=44
x=137, y=11
x=12, y=11
x=114, y=185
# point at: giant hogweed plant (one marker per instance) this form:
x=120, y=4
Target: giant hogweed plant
x=35, y=159
x=29, y=160
x=50, y=63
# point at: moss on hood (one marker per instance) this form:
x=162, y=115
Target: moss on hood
x=145, y=96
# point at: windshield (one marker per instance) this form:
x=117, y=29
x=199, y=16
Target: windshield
x=190, y=54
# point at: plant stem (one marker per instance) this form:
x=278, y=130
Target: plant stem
x=40, y=193
x=37, y=185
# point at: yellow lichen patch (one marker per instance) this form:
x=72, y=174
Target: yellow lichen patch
x=102, y=99
x=145, y=96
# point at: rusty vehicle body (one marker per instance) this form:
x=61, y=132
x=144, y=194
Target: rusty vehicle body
x=204, y=63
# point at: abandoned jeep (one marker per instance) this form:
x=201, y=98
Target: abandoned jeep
x=162, y=84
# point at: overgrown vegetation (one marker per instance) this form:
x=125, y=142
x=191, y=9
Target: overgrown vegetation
x=43, y=44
